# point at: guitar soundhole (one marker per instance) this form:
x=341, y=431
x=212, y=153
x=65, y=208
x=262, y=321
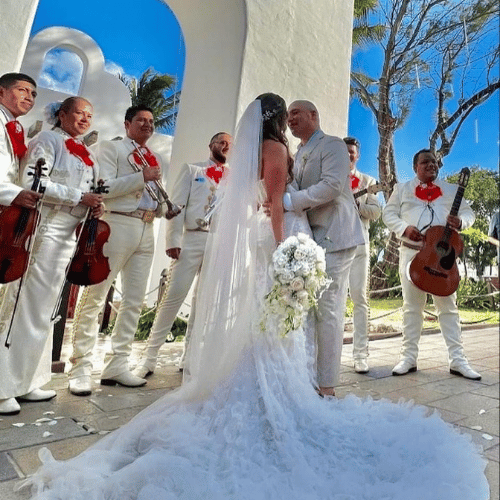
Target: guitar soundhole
x=448, y=260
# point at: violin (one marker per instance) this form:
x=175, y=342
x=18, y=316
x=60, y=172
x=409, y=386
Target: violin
x=89, y=266
x=17, y=227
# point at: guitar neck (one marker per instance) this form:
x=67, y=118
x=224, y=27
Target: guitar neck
x=457, y=201
x=360, y=193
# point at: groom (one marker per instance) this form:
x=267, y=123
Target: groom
x=321, y=173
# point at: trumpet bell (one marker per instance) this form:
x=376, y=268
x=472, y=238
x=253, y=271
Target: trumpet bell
x=202, y=223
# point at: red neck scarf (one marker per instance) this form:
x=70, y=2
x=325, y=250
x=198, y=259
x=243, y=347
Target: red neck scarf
x=215, y=172
x=428, y=192
x=16, y=136
x=78, y=149
x=354, y=181
x=148, y=155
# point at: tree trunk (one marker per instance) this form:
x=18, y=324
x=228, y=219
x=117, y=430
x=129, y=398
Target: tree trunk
x=379, y=279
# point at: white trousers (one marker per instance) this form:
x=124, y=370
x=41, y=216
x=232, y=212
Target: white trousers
x=130, y=250
x=414, y=301
x=182, y=273
x=330, y=317
x=358, y=290
x=26, y=365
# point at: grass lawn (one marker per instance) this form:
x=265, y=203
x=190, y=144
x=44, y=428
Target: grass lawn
x=387, y=315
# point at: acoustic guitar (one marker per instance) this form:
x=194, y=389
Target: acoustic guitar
x=434, y=269
x=373, y=189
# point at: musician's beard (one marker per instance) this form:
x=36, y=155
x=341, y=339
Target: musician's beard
x=218, y=157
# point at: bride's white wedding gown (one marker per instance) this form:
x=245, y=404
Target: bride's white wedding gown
x=265, y=434
x=248, y=424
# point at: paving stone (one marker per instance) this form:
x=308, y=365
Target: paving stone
x=467, y=404
x=7, y=470
x=27, y=458
x=488, y=421
x=110, y=402
x=7, y=491
x=492, y=475
x=30, y=434
x=451, y=385
x=420, y=395
x=492, y=391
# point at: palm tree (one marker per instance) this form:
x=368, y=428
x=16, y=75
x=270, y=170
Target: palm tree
x=157, y=91
x=363, y=32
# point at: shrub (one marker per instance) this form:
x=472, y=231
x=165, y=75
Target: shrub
x=472, y=293
x=146, y=322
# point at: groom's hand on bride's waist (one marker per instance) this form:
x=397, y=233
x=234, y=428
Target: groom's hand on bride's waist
x=267, y=208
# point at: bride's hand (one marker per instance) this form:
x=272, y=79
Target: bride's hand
x=267, y=208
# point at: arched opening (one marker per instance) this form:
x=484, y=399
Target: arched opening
x=62, y=71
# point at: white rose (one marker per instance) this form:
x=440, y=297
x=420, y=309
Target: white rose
x=297, y=284
x=303, y=238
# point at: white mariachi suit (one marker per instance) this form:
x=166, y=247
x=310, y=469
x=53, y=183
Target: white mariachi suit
x=368, y=209
x=130, y=251
x=26, y=365
x=9, y=164
x=405, y=209
x=321, y=173
x=194, y=190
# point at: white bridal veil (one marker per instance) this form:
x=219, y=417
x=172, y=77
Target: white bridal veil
x=224, y=303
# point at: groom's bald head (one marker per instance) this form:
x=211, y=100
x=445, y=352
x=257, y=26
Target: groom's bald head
x=303, y=119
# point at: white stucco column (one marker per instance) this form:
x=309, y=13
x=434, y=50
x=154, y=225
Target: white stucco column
x=16, y=19
x=300, y=49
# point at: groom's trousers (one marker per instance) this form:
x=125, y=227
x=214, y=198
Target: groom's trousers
x=330, y=317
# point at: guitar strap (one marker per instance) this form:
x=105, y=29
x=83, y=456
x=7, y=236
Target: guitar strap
x=431, y=210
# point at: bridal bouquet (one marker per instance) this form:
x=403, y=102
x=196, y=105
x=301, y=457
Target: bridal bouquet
x=298, y=271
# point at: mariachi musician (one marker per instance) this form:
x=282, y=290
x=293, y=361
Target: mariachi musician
x=412, y=209
x=17, y=97
x=368, y=210
x=27, y=304
x=132, y=173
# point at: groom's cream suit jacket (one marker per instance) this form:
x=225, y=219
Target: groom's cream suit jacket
x=321, y=174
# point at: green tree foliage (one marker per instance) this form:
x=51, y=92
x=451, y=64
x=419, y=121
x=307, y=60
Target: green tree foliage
x=157, y=91
x=482, y=194
x=364, y=32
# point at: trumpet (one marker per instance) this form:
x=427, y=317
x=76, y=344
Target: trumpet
x=211, y=209
x=172, y=208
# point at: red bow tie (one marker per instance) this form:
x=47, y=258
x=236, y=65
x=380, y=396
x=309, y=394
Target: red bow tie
x=354, y=181
x=428, y=192
x=148, y=156
x=16, y=136
x=215, y=172
x=79, y=150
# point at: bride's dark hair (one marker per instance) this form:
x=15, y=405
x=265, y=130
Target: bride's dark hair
x=274, y=115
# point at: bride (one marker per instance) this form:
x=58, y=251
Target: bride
x=247, y=423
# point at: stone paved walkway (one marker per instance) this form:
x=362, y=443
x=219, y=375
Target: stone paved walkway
x=69, y=424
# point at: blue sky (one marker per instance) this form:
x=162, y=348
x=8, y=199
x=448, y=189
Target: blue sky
x=134, y=39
